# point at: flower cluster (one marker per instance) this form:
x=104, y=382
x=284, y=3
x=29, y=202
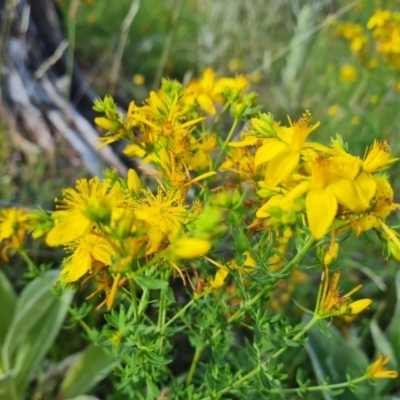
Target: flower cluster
x=218, y=211
x=376, y=43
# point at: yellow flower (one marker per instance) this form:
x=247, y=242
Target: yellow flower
x=332, y=303
x=86, y=250
x=355, y=120
x=378, y=157
x=373, y=63
x=378, y=19
x=208, y=91
x=358, y=43
x=138, y=79
x=348, y=74
x=283, y=153
x=333, y=110
x=378, y=370
x=332, y=183
x=236, y=64
x=14, y=222
x=162, y=214
x=374, y=99
x=92, y=202
x=383, y=205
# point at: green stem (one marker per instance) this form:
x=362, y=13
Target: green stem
x=132, y=288
x=218, y=117
x=227, y=140
x=178, y=314
x=275, y=355
x=265, y=290
x=195, y=361
x=162, y=311
x=322, y=387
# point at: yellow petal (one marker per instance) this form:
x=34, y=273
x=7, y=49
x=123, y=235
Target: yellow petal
x=247, y=141
x=367, y=185
x=348, y=194
x=79, y=265
x=206, y=104
x=72, y=227
x=356, y=307
x=188, y=248
x=219, y=279
x=133, y=182
x=106, y=124
x=203, y=176
x=133, y=150
x=101, y=250
x=268, y=151
x=281, y=166
x=321, y=207
x=274, y=201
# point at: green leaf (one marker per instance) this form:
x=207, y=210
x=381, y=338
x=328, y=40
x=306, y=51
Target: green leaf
x=7, y=387
x=92, y=365
x=34, y=302
x=394, y=331
x=333, y=357
x=306, y=310
x=382, y=344
x=39, y=339
x=321, y=325
x=8, y=300
x=146, y=282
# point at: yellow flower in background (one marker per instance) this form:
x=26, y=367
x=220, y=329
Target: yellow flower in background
x=358, y=43
x=208, y=91
x=374, y=99
x=256, y=78
x=356, y=120
x=373, y=63
x=88, y=249
x=378, y=370
x=379, y=19
x=348, y=73
x=138, y=79
x=333, y=110
x=14, y=223
x=236, y=64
